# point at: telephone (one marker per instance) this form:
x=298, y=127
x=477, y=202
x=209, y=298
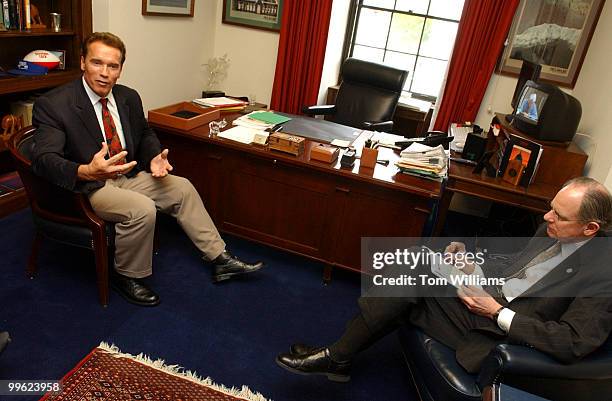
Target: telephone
x=348, y=157
x=432, y=138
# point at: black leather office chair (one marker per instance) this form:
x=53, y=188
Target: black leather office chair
x=367, y=96
x=62, y=215
x=438, y=376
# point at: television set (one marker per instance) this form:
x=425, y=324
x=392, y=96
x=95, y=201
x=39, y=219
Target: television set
x=529, y=72
x=545, y=112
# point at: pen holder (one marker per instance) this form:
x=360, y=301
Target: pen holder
x=368, y=157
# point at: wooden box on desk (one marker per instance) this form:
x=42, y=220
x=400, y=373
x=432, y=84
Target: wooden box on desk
x=286, y=143
x=164, y=116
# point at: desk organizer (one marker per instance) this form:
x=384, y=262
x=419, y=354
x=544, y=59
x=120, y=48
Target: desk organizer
x=163, y=116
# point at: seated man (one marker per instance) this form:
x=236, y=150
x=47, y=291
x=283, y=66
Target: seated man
x=544, y=303
x=92, y=137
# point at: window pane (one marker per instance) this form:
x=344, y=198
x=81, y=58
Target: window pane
x=450, y=9
x=379, y=3
x=428, y=76
x=401, y=61
x=414, y=6
x=405, y=33
x=368, y=53
x=372, y=28
x=438, y=39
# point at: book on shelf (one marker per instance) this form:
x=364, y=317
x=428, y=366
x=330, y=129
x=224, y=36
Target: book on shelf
x=525, y=151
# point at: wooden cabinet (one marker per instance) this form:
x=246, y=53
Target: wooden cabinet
x=76, y=23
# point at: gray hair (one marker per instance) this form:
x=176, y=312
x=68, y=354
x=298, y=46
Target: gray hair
x=596, y=203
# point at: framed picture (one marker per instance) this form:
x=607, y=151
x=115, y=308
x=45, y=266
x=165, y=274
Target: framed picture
x=61, y=54
x=260, y=14
x=169, y=8
x=554, y=34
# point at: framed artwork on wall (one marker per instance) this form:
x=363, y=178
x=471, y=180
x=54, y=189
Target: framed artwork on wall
x=169, y=8
x=260, y=14
x=555, y=35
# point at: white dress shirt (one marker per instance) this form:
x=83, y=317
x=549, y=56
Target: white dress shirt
x=112, y=107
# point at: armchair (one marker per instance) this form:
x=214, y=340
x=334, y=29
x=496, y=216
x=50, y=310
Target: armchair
x=439, y=377
x=61, y=215
x=367, y=96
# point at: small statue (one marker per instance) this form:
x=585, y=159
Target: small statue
x=36, y=22
x=10, y=125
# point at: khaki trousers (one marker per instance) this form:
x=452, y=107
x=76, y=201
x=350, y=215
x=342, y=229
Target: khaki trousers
x=132, y=203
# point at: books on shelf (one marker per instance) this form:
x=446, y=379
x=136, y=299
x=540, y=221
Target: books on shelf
x=525, y=151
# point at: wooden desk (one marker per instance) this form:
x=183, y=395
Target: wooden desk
x=306, y=207
x=557, y=165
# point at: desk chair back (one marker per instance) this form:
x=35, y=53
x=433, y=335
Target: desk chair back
x=369, y=92
x=61, y=215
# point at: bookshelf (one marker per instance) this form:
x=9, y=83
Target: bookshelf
x=76, y=24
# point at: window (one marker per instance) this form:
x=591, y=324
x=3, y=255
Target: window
x=414, y=35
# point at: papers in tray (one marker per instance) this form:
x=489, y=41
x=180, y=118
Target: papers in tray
x=219, y=102
x=424, y=161
x=241, y=134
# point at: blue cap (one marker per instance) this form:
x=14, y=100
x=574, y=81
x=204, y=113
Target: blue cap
x=28, y=68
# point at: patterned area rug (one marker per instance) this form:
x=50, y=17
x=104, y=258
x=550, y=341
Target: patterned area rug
x=107, y=374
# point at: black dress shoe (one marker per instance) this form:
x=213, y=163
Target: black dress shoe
x=228, y=266
x=134, y=290
x=4, y=340
x=317, y=362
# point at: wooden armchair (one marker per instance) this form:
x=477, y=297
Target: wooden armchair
x=62, y=215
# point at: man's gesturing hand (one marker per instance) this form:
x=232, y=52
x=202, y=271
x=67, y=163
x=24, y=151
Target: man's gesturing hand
x=478, y=301
x=101, y=169
x=160, y=165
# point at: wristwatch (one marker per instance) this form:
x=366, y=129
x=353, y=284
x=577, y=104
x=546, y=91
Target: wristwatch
x=496, y=314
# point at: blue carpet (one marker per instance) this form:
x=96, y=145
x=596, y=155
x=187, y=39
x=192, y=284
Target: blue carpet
x=231, y=332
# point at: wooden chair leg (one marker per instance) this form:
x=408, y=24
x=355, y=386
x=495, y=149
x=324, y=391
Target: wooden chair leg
x=100, y=249
x=31, y=267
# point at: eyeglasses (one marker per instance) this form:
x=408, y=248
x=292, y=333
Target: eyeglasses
x=558, y=217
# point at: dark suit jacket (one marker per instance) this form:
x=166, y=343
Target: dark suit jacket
x=567, y=314
x=68, y=134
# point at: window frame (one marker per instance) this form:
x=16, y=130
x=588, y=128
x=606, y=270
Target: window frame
x=351, y=34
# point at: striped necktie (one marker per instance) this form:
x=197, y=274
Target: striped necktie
x=110, y=131
x=542, y=257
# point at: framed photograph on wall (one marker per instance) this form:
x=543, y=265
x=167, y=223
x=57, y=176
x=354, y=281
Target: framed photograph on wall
x=169, y=8
x=555, y=35
x=260, y=14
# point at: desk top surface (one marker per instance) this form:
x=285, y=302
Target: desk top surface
x=384, y=176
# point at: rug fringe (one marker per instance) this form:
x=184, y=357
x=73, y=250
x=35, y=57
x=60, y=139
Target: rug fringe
x=176, y=370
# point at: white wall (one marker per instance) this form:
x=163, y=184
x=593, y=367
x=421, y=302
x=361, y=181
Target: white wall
x=594, y=91
x=252, y=54
x=164, y=54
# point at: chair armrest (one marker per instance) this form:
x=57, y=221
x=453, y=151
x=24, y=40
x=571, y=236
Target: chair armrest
x=325, y=110
x=507, y=359
x=386, y=126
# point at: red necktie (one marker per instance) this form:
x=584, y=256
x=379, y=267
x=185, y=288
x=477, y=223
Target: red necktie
x=110, y=131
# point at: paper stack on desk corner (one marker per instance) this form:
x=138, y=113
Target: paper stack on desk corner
x=248, y=122
x=424, y=161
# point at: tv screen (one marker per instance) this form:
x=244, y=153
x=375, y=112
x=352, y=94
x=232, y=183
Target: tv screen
x=530, y=104
x=529, y=72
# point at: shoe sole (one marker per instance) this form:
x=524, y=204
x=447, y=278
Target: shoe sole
x=130, y=300
x=223, y=277
x=330, y=376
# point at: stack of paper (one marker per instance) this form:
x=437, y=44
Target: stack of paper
x=241, y=134
x=261, y=120
x=424, y=161
x=223, y=103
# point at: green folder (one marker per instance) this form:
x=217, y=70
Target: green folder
x=269, y=117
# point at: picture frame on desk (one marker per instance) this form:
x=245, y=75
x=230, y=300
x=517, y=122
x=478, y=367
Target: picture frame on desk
x=554, y=35
x=168, y=8
x=259, y=15
x=525, y=152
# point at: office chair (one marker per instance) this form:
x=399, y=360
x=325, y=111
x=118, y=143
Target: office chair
x=367, y=96
x=439, y=377
x=61, y=215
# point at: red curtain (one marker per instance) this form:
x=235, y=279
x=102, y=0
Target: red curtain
x=301, y=51
x=480, y=39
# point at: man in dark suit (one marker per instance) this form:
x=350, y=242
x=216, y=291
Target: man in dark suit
x=556, y=297
x=92, y=137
